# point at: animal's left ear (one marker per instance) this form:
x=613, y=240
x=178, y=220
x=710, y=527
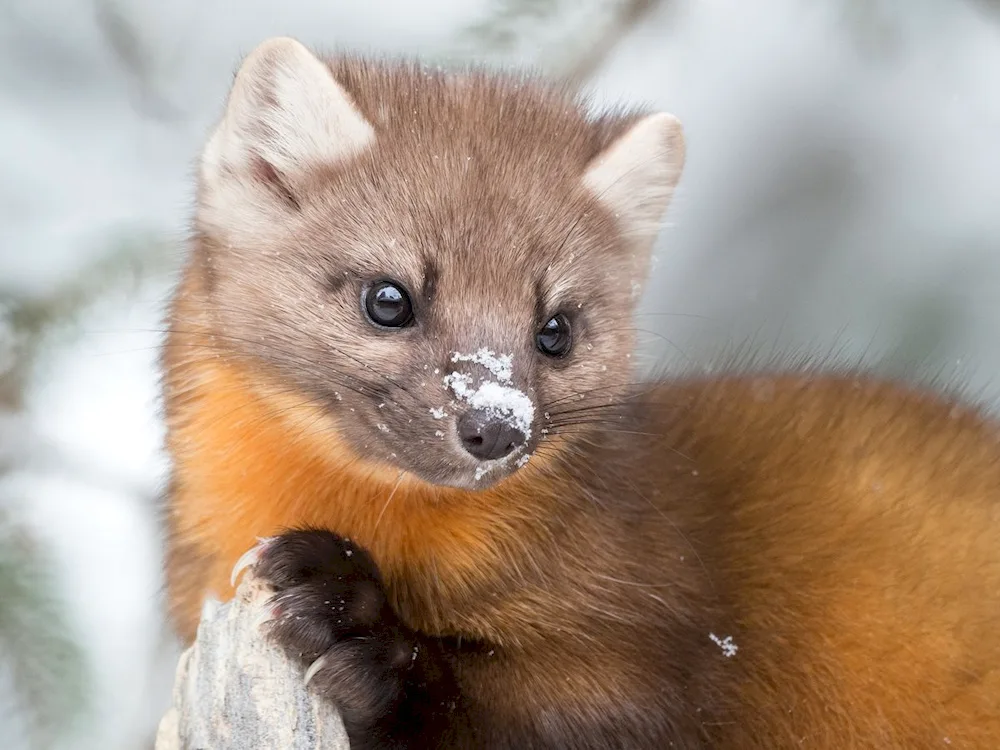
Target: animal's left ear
x=635, y=177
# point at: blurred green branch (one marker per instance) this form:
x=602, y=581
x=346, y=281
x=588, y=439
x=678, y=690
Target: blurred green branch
x=24, y=321
x=568, y=39
x=47, y=666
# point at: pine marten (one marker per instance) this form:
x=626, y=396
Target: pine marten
x=400, y=356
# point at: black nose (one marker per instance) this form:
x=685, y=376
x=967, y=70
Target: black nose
x=487, y=438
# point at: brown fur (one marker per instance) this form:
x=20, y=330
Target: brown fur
x=844, y=532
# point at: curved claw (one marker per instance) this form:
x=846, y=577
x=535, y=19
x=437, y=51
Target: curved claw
x=267, y=615
x=314, y=668
x=248, y=559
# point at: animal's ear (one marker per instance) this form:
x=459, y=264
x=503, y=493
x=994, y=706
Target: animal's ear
x=635, y=177
x=284, y=114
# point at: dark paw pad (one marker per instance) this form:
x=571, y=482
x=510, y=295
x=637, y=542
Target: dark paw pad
x=300, y=556
x=363, y=677
x=326, y=589
x=330, y=612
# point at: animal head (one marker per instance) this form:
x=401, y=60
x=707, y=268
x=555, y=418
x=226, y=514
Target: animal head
x=444, y=262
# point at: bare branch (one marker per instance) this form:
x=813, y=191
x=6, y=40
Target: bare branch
x=234, y=689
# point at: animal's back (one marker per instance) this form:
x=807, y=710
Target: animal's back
x=854, y=529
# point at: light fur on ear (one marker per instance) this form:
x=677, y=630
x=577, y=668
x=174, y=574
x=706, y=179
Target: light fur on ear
x=636, y=175
x=284, y=113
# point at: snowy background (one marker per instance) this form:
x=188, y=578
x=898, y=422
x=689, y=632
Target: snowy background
x=842, y=198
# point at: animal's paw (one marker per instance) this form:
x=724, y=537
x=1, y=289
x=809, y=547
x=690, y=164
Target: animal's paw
x=330, y=612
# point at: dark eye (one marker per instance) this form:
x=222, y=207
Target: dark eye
x=556, y=336
x=388, y=305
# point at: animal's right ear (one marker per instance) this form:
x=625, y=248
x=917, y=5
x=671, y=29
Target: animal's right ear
x=284, y=115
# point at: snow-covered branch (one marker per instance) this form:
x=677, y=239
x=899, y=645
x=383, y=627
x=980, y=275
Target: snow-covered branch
x=234, y=689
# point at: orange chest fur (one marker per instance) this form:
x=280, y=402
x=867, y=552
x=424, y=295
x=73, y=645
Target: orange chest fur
x=249, y=465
